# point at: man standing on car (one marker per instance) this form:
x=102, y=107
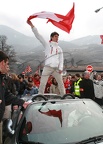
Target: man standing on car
x=53, y=60
x=6, y=98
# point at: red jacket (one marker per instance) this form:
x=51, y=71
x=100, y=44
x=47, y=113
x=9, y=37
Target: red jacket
x=67, y=86
x=36, y=82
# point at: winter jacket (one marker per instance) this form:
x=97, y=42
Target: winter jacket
x=23, y=86
x=77, y=87
x=31, y=91
x=36, y=82
x=53, y=53
x=7, y=97
x=98, y=89
x=87, y=89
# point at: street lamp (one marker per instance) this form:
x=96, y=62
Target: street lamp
x=97, y=10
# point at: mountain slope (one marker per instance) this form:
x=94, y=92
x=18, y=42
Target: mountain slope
x=77, y=53
x=94, y=39
x=19, y=41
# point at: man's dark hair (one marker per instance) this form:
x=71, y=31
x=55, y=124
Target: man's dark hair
x=77, y=74
x=3, y=56
x=53, y=34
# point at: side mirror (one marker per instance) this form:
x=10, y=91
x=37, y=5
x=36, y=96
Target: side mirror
x=7, y=128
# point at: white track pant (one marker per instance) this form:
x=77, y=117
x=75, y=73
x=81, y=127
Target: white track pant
x=47, y=71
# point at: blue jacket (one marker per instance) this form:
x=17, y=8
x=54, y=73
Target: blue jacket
x=30, y=92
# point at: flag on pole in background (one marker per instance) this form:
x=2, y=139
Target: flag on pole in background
x=28, y=69
x=101, y=36
x=60, y=21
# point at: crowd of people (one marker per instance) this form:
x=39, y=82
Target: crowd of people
x=85, y=85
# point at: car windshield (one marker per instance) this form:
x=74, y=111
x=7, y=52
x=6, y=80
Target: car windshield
x=62, y=121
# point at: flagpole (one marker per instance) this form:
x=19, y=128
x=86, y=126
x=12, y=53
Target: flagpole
x=97, y=10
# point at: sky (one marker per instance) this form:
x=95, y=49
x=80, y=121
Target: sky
x=14, y=13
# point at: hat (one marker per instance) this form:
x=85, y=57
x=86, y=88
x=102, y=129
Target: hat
x=3, y=56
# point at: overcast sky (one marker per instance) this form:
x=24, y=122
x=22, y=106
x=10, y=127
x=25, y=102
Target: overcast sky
x=14, y=13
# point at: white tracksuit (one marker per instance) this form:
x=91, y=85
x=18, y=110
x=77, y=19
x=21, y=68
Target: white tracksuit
x=53, y=62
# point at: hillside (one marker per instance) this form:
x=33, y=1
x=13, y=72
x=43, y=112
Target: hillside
x=77, y=53
x=19, y=41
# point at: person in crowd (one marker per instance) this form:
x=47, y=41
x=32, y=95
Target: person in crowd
x=87, y=86
x=12, y=89
x=30, y=90
x=69, y=79
x=98, y=89
x=30, y=78
x=66, y=84
x=36, y=80
x=53, y=60
x=69, y=76
x=101, y=76
x=72, y=79
x=6, y=97
x=76, y=85
x=16, y=82
x=48, y=84
x=54, y=87
x=23, y=85
x=26, y=78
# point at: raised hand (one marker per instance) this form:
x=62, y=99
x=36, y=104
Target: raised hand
x=30, y=23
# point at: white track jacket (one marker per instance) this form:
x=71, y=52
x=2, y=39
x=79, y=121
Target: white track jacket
x=53, y=53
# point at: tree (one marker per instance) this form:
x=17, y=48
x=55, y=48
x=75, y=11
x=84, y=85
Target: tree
x=8, y=49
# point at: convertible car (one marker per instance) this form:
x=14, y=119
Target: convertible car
x=56, y=120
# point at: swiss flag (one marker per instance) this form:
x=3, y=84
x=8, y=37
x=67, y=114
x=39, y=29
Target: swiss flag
x=101, y=36
x=60, y=21
x=28, y=69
